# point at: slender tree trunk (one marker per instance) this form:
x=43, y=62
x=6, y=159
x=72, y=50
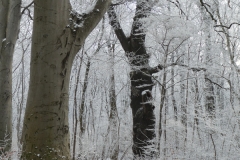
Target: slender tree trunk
x=209, y=88
x=175, y=109
x=9, y=28
x=75, y=119
x=82, y=110
x=197, y=110
x=114, y=123
x=209, y=97
x=186, y=111
x=81, y=107
x=183, y=90
x=74, y=132
x=20, y=108
x=162, y=117
x=57, y=37
x=162, y=126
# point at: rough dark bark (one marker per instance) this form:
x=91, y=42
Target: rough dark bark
x=141, y=79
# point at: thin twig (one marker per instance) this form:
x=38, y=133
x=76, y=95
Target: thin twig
x=215, y=152
x=25, y=8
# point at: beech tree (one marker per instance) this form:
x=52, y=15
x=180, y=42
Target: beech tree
x=9, y=28
x=58, y=34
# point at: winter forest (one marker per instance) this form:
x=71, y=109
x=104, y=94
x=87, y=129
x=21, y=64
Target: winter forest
x=120, y=80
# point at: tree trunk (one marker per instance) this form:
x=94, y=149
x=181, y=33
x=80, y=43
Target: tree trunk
x=141, y=81
x=162, y=115
x=209, y=88
x=9, y=28
x=175, y=108
x=58, y=34
x=197, y=111
x=82, y=106
x=183, y=106
x=75, y=119
x=113, y=119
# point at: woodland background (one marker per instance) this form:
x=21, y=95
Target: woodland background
x=196, y=94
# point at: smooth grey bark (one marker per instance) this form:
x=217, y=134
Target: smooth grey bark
x=9, y=27
x=58, y=34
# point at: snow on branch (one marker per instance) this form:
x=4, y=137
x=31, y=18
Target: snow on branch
x=207, y=10
x=84, y=23
x=145, y=92
x=228, y=27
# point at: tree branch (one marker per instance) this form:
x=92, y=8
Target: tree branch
x=177, y=4
x=211, y=15
x=117, y=28
x=26, y=8
x=152, y=70
x=215, y=83
x=228, y=27
x=91, y=19
x=155, y=69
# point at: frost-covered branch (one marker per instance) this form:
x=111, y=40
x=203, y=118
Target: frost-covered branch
x=228, y=27
x=207, y=10
x=85, y=23
x=177, y=4
x=27, y=7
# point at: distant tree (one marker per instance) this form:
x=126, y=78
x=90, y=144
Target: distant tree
x=208, y=23
x=58, y=34
x=113, y=117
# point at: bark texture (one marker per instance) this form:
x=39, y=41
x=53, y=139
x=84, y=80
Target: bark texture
x=141, y=81
x=9, y=28
x=58, y=34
